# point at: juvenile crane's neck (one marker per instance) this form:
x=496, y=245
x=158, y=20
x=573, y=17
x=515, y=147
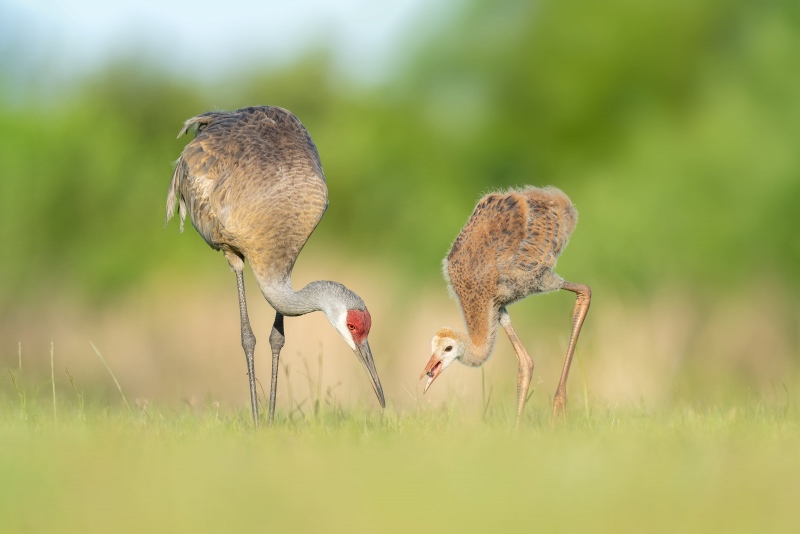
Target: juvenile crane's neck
x=481, y=337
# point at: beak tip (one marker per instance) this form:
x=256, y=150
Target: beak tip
x=381, y=398
x=364, y=354
x=432, y=369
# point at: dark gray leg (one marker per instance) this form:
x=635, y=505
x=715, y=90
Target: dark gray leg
x=584, y=298
x=249, y=346
x=276, y=341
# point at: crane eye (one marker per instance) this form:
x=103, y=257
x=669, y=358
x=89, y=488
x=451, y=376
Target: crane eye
x=448, y=348
x=351, y=326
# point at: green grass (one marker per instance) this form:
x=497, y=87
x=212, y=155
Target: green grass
x=104, y=468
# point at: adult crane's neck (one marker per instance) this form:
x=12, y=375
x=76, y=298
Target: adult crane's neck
x=316, y=296
x=481, y=336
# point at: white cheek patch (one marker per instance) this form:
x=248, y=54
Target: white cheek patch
x=341, y=326
x=447, y=357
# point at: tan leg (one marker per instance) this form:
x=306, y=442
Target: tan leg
x=525, y=363
x=584, y=298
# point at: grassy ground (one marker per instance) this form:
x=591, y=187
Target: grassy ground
x=101, y=467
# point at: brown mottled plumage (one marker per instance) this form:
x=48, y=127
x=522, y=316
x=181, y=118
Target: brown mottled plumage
x=505, y=252
x=252, y=183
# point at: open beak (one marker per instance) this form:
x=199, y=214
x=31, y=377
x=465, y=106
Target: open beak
x=433, y=369
x=365, y=357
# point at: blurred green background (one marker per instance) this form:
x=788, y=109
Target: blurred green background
x=673, y=126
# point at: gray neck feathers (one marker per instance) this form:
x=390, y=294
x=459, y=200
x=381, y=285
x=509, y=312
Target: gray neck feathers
x=321, y=295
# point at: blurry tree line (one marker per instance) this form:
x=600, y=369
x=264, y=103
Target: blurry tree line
x=673, y=125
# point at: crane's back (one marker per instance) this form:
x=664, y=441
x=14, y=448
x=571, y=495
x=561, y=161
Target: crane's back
x=507, y=250
x=252, y=182
x=551, y=219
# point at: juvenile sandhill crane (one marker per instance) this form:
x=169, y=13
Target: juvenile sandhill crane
x=505, y=252
x=253, y=185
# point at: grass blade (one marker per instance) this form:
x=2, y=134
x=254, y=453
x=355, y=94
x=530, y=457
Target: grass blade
x=124, y=399
x=53, y=382
x=19, y=392
x=78, y=394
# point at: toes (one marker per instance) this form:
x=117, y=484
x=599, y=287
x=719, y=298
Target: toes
x=559, y=407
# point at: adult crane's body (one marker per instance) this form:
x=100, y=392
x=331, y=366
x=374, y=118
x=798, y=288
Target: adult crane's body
x=505, y=252
x=253, y=185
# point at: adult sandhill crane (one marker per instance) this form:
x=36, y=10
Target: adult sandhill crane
x=505, y=252
x=254, y=188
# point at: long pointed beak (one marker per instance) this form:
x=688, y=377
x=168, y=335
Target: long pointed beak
x=433, y=369
x=365, y=357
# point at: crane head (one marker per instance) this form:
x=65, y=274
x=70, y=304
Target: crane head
x=354, y=325
x=447, y=346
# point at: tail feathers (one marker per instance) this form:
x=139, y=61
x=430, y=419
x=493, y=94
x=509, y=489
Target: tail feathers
x=560, y=203
x=564, y=206
x=181, y=170
x=174, y=195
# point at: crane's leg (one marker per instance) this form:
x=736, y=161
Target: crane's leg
x=248, y=344
x=525, y=363
x=582, y=301
x=276, y=341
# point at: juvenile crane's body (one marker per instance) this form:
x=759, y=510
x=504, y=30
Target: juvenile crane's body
x=252, y=184
x=507, y=251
